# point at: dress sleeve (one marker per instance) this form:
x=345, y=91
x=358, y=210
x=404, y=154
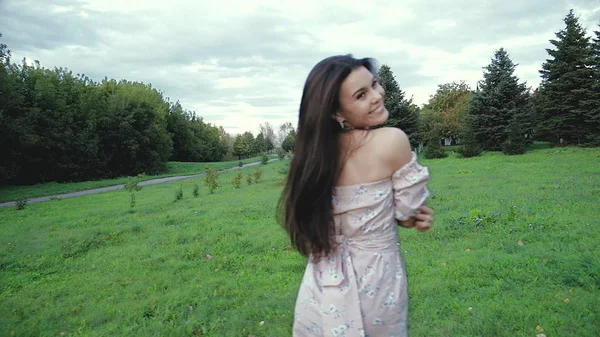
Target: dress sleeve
x=410, y=188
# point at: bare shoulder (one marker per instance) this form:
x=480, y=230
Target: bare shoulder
x=393, y=146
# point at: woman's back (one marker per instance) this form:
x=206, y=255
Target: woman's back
x=374, y=155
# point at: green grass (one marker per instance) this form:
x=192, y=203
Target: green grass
x=514, y=247
x=12, y=193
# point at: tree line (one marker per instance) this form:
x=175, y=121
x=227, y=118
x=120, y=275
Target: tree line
x=502, y=113
x=59, y=126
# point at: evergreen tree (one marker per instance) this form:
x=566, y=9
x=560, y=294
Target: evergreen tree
x=469, y=145
x=593, y=113
x=238, y=147
x=434, y=148
x=500, y=100
x=515, y=143
x=288, y=143
x=567, y=109
x=403, y=114
x=260, y=144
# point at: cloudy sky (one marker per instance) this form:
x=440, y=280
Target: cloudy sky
x=242, y=63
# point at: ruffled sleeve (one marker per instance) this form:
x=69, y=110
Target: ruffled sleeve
x=410, y=188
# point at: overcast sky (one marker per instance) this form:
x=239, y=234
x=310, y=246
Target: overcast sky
x=242, y=63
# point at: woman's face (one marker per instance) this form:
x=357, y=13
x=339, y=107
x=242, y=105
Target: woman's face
x=361, y=100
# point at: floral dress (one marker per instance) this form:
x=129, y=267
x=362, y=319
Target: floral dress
x=361, y=289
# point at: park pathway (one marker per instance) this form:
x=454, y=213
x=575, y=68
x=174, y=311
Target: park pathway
x=122, y=186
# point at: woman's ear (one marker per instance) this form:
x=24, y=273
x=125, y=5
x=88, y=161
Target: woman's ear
x=338, y=118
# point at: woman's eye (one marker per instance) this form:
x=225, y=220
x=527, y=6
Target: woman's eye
x=361, y=95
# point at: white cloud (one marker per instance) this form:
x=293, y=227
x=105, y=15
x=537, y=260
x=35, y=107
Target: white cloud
x=241, y=63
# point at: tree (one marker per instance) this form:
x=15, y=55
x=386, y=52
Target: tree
x=567, y=110
x=446, y=111
x=434, y=148
x=269, y=145
x=500, y=101
x=239, y=149
x=593, y=113
x=284, y=130
x=269, y=135
x=402, y=114
x=182, y=135
x=469, y=145
x=11, y=128
x=59, y=126
x=260, y=144
x=288, y=142
x=244, y=145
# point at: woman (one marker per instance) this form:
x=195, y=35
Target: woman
x=347, y=188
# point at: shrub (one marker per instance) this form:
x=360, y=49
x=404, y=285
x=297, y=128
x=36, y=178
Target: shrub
x=469, y=150
x=236, y=180
x=470, y=147
x=256, y=175
x=211, y=180
x=179, y=194
x=21, y=203
x=281, y=154
x=284, y=169
x=264, y=160
x=132, y=186
x=516, y=143
x=434, y=148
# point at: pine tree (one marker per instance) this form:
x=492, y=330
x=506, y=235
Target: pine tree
x=403, y=114
x=434, y=148
x=565, y=111
x=499, y=102
x=593, y=112
x=516, y=143
x=469, y=145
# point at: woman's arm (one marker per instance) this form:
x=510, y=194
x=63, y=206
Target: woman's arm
x=421, y=221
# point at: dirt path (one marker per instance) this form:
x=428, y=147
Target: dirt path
x=120, y=187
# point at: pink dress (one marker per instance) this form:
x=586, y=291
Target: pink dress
x=361, y=289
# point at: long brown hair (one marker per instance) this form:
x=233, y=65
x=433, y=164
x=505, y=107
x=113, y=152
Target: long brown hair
x=305, y=206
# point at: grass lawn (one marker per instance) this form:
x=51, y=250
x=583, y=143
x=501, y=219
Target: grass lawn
x=12, y=193
x=514, y=252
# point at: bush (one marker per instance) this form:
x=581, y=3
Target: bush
x=516, y=143
x=281, y=154
x=236, y=180
x=249, y=179
x=469, y=150
x=434, y=148
x=512, y=147
x=256, y=175
x=132, y=186
x=284, y=169
x=469, y=147
x=211, y=180
x=196, y=190
x=179, y=194
x=431, y=152
x=21, y=203
x=264, y=160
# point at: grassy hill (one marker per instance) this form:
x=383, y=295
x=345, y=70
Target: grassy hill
x=514, y=252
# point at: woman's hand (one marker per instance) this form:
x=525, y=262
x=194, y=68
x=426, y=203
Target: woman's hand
x=421, y=221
